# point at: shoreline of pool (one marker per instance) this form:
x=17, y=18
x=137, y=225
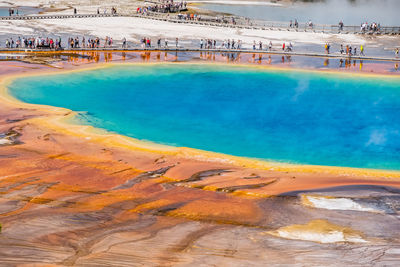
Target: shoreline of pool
x=192, y=50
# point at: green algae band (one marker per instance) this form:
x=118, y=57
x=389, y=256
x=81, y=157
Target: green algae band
x=285, y=116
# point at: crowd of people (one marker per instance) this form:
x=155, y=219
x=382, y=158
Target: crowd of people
x=347, y=50
x=197, y=17
x=189, y=16
x=238, y=45
x=351, y=51
x=225, y=44
x=92, y=42
x=227, y=20
x=55, y=43
x=33, y=43
x=146, y=43
x=373, y=27
x=165, y=6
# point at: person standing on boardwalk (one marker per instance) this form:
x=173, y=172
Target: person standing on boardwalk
x=176, y=42
x=283, y=46
x=362, y=50
x=310, y=24
x=396, y=52
x=341, y=49
x=341, y=26
x=270, y=46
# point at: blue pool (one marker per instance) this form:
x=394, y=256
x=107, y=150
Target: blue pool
x=284, y=116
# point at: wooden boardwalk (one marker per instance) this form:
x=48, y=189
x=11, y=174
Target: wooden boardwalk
x=210, y=21
x=179, y=50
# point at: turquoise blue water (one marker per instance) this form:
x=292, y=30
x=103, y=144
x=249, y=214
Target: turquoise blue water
x=294, y=117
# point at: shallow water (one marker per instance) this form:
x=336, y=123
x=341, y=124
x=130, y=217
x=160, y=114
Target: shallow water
x=287, y=116
x=21, y=11
x=352, y=12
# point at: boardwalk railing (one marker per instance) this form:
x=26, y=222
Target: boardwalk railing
x=240, y=23
x=56, y=16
